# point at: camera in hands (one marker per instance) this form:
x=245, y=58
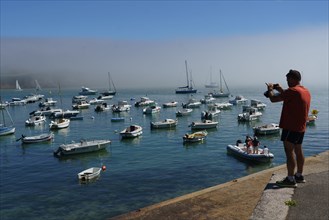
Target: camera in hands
x=267, y=93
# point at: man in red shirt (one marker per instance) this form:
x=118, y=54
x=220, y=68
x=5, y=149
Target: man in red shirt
x=296, y=104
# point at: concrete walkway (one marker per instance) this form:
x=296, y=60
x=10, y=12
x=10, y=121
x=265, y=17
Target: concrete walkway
x=252, y=197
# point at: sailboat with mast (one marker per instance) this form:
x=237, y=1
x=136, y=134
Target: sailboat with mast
x=6, y=129
x=18, y=87
x=188, y=88
x=212, y=84
x=221, y=92
x=37, y=86
x=110, y=91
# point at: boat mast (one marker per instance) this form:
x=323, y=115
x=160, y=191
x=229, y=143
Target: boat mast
x=220, y=80
x=188, y=83
x=225, y=82
x=111, y=82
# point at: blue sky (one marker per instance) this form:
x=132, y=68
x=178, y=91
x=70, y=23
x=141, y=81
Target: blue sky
x=133, y=35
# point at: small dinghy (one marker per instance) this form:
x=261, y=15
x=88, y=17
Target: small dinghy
x=240, y=150
x=89, y=174
x=195, y=137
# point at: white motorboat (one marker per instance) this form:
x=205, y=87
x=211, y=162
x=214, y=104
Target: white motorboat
x=48, y=102
x=257, y=104
x=240, y=151
x=223, y=105
x=239, y=99
x=189, y=84
x=83, y=146
x=195, y=137
x=17, y=101
x=35, y=120
x=96, y=101
x=46, y=111
x=89, y=174
x=131, y=131
x=249, y=114
x=59, y=123
x=208, y=99
x=122, y=106
x=64, y=114
x=205, y=124
x=184, y=112
x=167, y=123
x=102, y=107
x=267, y=129
x=37, y=138
x=144, y=101
x=211, y=113
x=151, y=109
x=79, y=98
x=192, y=103
x=170, y=104
x=87, y=91
x=81, y=105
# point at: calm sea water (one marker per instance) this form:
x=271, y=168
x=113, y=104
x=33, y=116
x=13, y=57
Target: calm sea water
x=140, y=172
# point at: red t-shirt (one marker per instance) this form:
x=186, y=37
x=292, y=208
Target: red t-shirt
x=296, y=104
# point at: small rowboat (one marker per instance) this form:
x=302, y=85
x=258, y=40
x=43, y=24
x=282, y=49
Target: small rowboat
x=37, y=138
x=131, y=131
x=89, y=174
x=167, y=123
x=205, y=124
x=195, y=137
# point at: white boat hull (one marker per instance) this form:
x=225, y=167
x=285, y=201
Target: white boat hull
x=131, y=131
x=81, y=147
x=37, y=138
x=167, y=123
x=89, y=174
x=241, y=152
x=207, y=124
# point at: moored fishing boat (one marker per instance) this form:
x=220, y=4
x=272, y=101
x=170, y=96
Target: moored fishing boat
x=239, y=99
x=83, y=146
x=59, y=123
x=151, y=109
x=267, y=129
x=35, y=120
x=249, y=114
x=170, y=104
x=37, y=138
x=131, y=131
x=205, y=124
x=87, y=91
x=167, y=123
x=183, y=112
x=195, y=137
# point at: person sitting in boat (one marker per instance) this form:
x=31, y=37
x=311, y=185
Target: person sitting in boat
x=255, y=145
x=238, y=142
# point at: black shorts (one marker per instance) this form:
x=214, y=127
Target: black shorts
x=292, y=136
